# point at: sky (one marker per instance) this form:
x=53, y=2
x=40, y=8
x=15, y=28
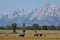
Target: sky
x=9, y=6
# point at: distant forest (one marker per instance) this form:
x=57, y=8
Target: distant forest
x=32, y=27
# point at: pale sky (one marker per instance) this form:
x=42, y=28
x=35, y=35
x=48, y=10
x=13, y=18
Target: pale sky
x=9, y=6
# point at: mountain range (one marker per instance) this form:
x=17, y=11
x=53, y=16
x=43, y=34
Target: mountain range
x=47, y=14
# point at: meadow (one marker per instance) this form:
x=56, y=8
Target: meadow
x=29, y=35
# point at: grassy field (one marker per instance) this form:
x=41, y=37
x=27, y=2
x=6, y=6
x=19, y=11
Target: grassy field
x=49, y=35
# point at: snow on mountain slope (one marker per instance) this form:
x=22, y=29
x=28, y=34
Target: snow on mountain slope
x=45, y=11
x=47, y=14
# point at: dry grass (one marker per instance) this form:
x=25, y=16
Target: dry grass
x=50, y=35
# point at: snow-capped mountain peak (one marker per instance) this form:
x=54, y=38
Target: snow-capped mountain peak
x=45, y=11
x=47, y=14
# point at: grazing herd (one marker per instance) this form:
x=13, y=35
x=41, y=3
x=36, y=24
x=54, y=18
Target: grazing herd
x=40, y=35
x=36, y=34
x=22, y=35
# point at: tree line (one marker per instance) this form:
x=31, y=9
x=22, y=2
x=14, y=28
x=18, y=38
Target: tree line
x=32, y=27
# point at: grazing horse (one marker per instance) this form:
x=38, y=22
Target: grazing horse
x=35, y=34
x=41, y=34
x=22, y=35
